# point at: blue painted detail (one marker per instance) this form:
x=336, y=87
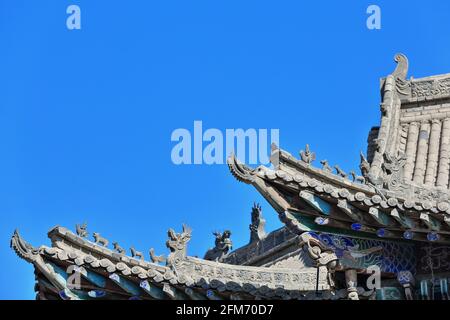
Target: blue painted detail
x=408, y=235
x=63, y=295
x=209, y=293
x=153, y=291
x=96, y=293
x=390, y=256
x=134, y=298
x=433, y=236
x=381, y=233
x=357, y=226
x=321, y=221
x=405, y=277
x=145, y=285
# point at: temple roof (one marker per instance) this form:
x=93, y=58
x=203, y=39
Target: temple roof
x=111, y=273
x=402, y=192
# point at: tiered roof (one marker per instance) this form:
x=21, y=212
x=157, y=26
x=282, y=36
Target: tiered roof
x=108, y=274
x=337, y=224
x=402, y=192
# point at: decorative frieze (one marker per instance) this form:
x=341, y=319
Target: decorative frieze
x=430, y=88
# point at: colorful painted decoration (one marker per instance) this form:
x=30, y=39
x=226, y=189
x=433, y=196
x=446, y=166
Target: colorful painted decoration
x=390, y=256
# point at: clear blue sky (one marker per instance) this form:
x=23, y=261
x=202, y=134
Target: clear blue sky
x=86, y=115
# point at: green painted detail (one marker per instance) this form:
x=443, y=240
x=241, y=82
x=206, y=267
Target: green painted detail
x=125, y=284
x=316, y=202
x=62, y=274
x=349, y=210
x=402, y=219
x=94, y=278
x=431, y=222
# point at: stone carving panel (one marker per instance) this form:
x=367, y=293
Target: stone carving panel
x=430, y=88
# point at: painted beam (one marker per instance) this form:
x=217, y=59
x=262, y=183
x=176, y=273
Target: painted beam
x=403, y=220
x=69, y=277
x=60, y=273
x=350, y=210
x=152, y=290
x=125, y=284
x=317, y=203
x=380, y=217
x=430, y=222
x=172, y=292
x=92, y=277
x=62, y=278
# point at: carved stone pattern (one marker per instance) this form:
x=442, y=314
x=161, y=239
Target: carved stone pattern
x=302, y=280
x=430, y=88
x=177, y=244
x=393, y=171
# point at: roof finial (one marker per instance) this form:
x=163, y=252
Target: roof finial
x=401, y=71
x=307, y=156
x=223, y=245
x=177, y=245
x=257, y=232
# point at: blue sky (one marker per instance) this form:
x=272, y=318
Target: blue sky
x=86, y=115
